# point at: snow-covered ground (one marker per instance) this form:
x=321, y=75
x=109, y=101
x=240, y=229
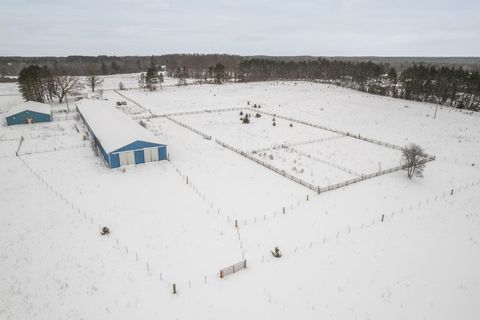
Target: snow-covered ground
x=384, y=248
x=130, y=81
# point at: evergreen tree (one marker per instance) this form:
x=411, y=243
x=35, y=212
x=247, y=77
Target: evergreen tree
x=181, y=74
x=151, y=79
x=36, y=84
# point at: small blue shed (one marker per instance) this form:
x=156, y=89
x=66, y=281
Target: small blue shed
x=119, y=139
x=29, y=112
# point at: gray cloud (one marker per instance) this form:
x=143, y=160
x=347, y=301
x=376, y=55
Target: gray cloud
x=280, y=27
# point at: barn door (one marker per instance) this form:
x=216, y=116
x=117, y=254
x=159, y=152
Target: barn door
x=151, y=154
x=131, y=157
x=154, y=152
x=126, y=158
x=148, y=155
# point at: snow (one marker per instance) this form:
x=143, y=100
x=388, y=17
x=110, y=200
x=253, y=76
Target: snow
x=111, y=127
x=30, y=106
x=340, y=260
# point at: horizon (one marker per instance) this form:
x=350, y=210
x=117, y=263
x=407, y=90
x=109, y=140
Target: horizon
x=239, y=55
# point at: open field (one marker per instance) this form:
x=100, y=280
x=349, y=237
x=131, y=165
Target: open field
x=387, y=247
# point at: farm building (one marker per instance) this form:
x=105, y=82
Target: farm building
x=29, y=112
x=119, y=139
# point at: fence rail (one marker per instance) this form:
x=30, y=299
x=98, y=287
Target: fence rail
x=19, y=145
x=345, y=133
x=206, y=136
x=233, y=268
x=186, y=113
x=311, y=186
x=299, y=143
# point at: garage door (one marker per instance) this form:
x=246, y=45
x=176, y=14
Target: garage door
x=151, y=154
x=126, y=158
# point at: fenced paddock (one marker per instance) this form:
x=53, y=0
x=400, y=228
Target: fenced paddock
x=317, y=188
x=258, y=134
x=314, y=156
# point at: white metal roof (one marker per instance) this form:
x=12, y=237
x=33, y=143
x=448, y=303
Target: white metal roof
x=30, y=106
x=112, y=127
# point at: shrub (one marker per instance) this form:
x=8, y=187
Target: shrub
x=276, y=253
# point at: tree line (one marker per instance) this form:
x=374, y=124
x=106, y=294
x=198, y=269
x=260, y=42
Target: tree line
x=455, y=87
x=39, y=84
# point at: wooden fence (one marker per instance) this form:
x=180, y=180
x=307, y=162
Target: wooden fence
x=233, y=268
x=345, y=133
x=313, y=187
x=186, y=113
x=299, y=143
x=206, y=136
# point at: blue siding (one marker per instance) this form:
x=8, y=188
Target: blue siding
x=162, y=153
x=137, y=145
x=114, y=160
x=20, y=118
x=102, y=151
x=139, y=157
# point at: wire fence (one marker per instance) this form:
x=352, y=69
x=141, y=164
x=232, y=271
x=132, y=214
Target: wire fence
x=202, y=281
x=19, y=146
x=311, y=186
x=54, y=149
x=204, y=135
x=186, y=113
x=123, y=248
x=72, y=115
x=299, y=143
x=328, y=163
x=345, y=133
x=377, y=220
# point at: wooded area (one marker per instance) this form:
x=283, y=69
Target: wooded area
x=446, y=83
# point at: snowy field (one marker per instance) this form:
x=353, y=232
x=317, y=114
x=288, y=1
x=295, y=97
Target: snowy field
x=318, y=156
x=384, y=248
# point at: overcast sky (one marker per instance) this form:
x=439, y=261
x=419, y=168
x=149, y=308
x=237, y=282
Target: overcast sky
x=250, y=27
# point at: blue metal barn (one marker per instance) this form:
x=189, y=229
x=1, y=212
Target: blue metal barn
x=119, y=139
x=29, y=112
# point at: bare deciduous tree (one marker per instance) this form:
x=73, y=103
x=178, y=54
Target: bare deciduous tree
x=66, y=84
x=413, y=157
x=93, y=81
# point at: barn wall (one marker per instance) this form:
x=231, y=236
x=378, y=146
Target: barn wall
x=114, y=160
x=162, y=153
x=137, y=145
x=20, y=117
x=139, y=157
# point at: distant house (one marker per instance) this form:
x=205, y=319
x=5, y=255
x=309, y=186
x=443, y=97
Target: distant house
x=119, y=139
x=29, y=112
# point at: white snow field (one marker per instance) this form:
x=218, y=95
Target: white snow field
x=383, y=248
